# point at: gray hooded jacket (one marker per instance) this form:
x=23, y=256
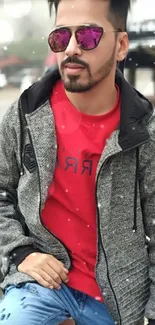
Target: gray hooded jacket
x=125, y=198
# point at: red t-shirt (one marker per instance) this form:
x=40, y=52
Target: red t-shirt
x=70, y=209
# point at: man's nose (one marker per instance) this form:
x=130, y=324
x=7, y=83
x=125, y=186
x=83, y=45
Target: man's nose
x=73, y=48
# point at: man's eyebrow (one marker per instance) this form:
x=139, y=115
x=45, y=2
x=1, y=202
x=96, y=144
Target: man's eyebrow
x=84, y=24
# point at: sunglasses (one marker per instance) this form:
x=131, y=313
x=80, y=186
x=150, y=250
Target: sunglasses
x=87, y=36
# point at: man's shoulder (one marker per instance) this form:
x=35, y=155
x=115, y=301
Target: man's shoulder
x=147, y=150
x=11, y=115
x=151, y=125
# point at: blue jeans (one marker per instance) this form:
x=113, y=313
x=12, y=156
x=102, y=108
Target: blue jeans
x=32, y=304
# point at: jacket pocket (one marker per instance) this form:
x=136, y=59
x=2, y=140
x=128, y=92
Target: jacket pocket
x=29, y=158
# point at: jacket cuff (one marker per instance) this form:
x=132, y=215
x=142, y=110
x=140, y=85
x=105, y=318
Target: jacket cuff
x=151, y=322
x=18, y=255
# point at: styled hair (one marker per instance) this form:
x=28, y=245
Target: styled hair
x=118, y=11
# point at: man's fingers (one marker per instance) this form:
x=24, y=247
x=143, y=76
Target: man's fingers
x=58, y=270
x=38, y=278
x=43, y=279
x=50, y=273
x=61, y=264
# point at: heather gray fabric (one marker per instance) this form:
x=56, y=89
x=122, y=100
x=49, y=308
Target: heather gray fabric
x=123, y=267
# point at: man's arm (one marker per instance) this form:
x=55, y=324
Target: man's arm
x=147, y=195
x=12, y=232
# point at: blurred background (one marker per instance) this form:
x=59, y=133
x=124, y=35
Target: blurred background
x=25, y=56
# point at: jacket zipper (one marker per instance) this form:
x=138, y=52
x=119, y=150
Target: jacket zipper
x=100, y=240
x=29, y=134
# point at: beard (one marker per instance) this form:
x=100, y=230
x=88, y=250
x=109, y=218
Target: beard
x=74, y=84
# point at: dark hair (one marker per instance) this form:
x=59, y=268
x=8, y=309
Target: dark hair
x=118, y=11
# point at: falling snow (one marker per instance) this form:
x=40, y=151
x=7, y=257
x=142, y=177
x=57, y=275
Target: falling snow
x=98, y=298
x=34, y=254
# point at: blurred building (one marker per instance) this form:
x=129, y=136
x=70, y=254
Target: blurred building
x=140, y=63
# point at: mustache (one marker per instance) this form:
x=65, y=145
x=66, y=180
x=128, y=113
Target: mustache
x=75, y=60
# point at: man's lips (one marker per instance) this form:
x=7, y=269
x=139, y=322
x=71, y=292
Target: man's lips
x=74, y=66
x=73, y=69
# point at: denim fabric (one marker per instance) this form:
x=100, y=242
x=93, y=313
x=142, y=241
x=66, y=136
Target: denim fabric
x=35, y=305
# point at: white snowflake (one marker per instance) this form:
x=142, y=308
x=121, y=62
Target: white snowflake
x=4, y=194
x=98, y=298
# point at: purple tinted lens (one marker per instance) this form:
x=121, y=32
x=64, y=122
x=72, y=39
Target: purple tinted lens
x=89, y=37
x=59, y=39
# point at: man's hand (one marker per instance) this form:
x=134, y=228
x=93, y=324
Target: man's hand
x=45, y=269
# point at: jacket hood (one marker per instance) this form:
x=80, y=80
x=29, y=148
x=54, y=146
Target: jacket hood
x=135, y=108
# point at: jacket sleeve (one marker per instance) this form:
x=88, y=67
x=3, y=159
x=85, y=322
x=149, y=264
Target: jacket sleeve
x=12, y=230
x=147, y=195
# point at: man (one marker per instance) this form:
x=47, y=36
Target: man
x=77, y=182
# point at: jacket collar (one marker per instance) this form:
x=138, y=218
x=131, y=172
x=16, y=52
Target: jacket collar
x=135, y=108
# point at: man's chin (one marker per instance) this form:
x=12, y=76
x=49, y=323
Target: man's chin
x=73, y=87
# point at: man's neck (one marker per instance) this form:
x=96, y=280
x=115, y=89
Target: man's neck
x=99, y=100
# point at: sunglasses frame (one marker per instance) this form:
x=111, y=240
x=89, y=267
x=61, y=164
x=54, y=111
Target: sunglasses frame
x=68, y=28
